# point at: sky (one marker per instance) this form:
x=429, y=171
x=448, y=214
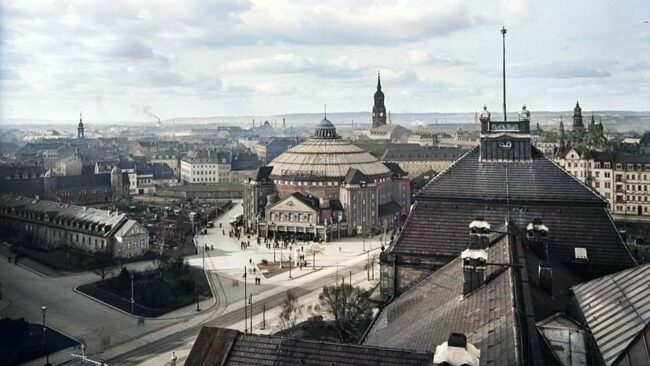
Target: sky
x=134, y=60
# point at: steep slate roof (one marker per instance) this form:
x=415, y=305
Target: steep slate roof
x=417, y=152
x=49, y=211
x=310, y=200
x=440, y=229
x=389, y=208
x=396, y=169
x=217, y=346
x=616, y=309
x=263, y=172
x=540, y=181
x=245, y=161
x=355, y=176
x=423, y=316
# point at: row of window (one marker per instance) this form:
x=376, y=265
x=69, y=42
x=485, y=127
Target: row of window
x=291, y=217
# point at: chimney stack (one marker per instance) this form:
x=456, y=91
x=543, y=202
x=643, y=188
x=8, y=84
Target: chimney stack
x=476, y=256
x=457, y=352
x=536, y=233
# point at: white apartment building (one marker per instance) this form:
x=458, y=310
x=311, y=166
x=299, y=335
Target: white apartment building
x=206, y=166
x=623, y=180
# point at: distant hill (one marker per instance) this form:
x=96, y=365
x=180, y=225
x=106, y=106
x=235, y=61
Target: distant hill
x=613, y=120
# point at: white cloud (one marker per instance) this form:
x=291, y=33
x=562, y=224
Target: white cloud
x=273, y=56
x=419, y=57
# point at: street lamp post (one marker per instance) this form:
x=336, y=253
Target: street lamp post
x=47, y=352
x=250, y=302
x=245, y=305
x=289, y=265
x=132, y=298
x=368, y=263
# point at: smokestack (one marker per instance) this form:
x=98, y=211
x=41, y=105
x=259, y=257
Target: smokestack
x=476, y=256
x=536, y=233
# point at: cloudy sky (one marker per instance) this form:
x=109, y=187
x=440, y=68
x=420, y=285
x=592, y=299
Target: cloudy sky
x=124, y=59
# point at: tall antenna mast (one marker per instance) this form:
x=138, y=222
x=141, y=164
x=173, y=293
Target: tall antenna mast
x=503, y=34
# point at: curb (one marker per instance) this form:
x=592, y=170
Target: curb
x=143, y=317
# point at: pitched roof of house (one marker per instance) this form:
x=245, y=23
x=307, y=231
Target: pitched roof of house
x=218, y=346
x=396, y=169
x=263, y=172
x=423, y=316
x=440, y=229
x=541, y=181
x=616, y=309
x=355, y=176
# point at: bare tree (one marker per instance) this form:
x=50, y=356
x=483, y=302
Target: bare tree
x=349, y=307
x=290, y=311
x=102, y=265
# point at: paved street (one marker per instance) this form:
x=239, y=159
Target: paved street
x=115, y=336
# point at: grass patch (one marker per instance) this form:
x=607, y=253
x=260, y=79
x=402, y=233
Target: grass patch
x=156, y=292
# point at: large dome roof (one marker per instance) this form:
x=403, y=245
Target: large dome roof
x=326, y=159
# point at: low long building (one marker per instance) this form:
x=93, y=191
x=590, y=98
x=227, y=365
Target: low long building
x=52, y=225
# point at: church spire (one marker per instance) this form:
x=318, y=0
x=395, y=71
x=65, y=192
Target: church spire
x=378, y=80
x=379, y=109
x=80, y=127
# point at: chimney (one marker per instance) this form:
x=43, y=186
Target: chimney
x=456, y=352
x=475, y=257
x=536, y=233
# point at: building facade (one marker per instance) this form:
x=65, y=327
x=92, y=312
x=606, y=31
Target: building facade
x=622, y=179
x=206, y=166
x=51, y=225
x=351, y=191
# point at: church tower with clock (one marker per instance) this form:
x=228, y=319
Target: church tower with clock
x=379, y=109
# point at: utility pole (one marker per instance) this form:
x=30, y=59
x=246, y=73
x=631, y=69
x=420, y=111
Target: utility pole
x=263, y=316
x=289, y=265
x=313, y=263
x=503, y=34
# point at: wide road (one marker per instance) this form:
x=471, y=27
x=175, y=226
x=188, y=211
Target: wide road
x=171, y=342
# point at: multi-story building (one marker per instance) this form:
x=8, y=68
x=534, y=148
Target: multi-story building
x=622, y=179
x=52, y=224
x=169, y=157
x=348, y=190
x=206, y=166
x=269, y=149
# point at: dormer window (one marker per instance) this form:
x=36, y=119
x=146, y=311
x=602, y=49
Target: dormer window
x=581, y=254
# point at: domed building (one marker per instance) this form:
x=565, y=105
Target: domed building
x=323, y=188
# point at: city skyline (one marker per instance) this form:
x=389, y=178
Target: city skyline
x=125, y=62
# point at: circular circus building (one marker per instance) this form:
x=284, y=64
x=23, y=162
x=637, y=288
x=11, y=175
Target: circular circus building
x=325, y=187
